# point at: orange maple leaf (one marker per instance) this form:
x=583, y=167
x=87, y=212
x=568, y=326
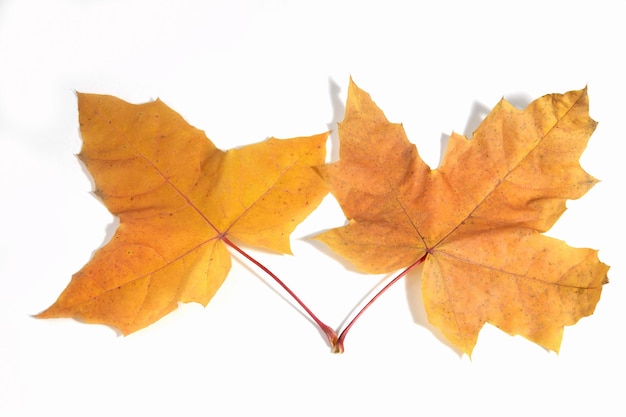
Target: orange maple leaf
x=476, y=221
x=180, y=201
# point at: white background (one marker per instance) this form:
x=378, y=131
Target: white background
x=246, y=70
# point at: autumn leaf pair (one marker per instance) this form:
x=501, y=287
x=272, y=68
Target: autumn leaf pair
x=475, y=222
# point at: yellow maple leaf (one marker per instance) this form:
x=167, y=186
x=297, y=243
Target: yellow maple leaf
x=476, y=221
x=180, y=201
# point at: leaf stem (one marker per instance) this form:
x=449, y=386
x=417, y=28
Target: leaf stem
x=338, y=345
x=330, y=333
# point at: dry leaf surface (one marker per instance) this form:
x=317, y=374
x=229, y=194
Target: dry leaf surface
x=179, y=198
x=477, y=219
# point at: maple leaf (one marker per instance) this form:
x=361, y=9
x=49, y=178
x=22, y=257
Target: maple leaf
x=180, y=201
x=476, y=221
